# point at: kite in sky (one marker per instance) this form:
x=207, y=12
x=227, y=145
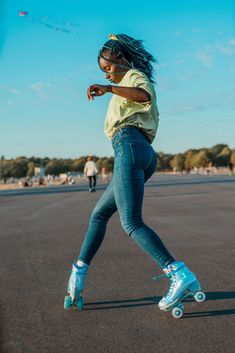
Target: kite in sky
x=66, y=27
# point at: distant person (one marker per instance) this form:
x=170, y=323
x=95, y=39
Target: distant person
x=90, y=171
x=131, y=124
x=230, y=167
x=65, y=180
x=188, y=170
x=105, y=175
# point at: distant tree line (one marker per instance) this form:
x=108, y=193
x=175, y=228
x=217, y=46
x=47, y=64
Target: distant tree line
x=219, y=155
x=21, y=167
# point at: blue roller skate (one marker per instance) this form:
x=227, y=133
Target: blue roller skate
x=184, y=283
x=75, y=287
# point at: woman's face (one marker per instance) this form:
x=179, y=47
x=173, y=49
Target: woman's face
x=113, y=72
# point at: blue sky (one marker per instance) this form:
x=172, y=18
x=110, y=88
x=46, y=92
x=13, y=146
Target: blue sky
x=44, y=73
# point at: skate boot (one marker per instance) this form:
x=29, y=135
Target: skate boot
x=184, y=283
x=75, y=287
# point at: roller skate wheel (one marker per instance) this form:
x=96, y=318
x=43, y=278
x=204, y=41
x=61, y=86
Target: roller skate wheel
x=200, y=297
x=177, y=312
x=80, y=303
x=67, y=302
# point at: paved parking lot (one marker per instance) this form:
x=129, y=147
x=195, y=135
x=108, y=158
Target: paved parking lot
x=41, y=232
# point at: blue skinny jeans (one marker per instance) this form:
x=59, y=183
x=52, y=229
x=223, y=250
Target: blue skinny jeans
x=135, y=161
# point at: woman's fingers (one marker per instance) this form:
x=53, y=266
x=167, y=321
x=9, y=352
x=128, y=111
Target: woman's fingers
x=89, y=92
x=95, y=91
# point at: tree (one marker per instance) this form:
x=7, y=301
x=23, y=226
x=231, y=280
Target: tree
x=201, y=159
x=232, y=157
x=105, y=162
x=30, y=171
x=189, y=155
x=5, y=169
x=178, y=162
x=110, y=165
x=164, y=161
x=57, y=166
x=159, y=160
x=216, y=150
x=19, y=167
x=223, y=158
x=44, y=161
x=78, y=164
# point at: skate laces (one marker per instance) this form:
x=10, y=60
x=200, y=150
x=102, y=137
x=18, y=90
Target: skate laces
x=166, y=274
x=156, y=278
x=173, y=280
x=172, y=285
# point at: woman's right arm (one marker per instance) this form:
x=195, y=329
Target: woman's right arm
x=135, y=94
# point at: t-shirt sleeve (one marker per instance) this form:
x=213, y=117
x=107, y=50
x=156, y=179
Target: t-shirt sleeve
x=140, y=80
x=137, y=79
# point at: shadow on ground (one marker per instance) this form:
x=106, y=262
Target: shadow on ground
x=139, y=302
x=120, y=304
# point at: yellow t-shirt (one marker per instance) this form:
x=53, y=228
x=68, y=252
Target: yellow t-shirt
x=122, y=112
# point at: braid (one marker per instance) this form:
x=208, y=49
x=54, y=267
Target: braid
x=133, y=51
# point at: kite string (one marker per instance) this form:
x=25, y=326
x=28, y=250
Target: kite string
x=66, y=26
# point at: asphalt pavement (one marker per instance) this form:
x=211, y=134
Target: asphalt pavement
x=41, y=231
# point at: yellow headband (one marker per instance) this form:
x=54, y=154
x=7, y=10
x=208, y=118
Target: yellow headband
x=113, y=37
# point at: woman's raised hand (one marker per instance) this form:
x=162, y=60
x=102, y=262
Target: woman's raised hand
x=97, y=90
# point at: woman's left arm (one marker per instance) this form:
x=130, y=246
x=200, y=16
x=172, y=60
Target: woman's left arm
x=135, y=94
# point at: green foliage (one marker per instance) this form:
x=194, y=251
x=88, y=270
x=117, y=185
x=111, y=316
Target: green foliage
x=57, y=166
x=164, y=161
x=30, y=171
x=105, y=162
x=219, y=155
x=19, y=167
x=177, y=163
x=188, y=159
x=223, y=158
x=232, y=157
x=216, y=150
x=78, y=164
x=201, y=159
x=5, y=169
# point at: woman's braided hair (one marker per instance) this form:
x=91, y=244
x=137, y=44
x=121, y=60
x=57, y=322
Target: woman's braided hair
x=133, y=52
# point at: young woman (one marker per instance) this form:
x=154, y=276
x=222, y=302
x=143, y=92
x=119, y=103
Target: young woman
x=131, y=125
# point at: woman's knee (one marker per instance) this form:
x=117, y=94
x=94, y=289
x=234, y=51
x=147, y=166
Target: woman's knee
x=96, y=215
x=101, y=214
x=131, y=226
